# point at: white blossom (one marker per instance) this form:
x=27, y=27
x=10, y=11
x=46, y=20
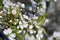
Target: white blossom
x=35, y=17
x=31, y=32
x=6, y=3
x=13, y=12
x=21, y=26
x=47, y=21
x=25, y=16
x=39, y=36
x=39, y=31
x=10, y=38
x=25, y=25
x=33, y=38
x=0, y=16
x=50, y=38
x=13, y=5
x=34, y=31
x=20, y=22
x=30, y=26
x=37, y=26
x=17, y=5
x=13, y=35
x=1, y=12
x=10, y=20
x=43, y=4
x=18, y=27
x=56, y=34
x=7, y=31
x=30, y=8
x=23, y=5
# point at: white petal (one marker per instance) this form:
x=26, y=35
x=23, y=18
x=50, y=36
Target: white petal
x=23, y=5
x=20, y=22
x=5, y=32
x=31, y=31
x=9, y=30
x=13, y=35
x=31, y=26
x=10, y=38
x=26, y=25
x=25, y=16
x=13, y=11
x=20, y=31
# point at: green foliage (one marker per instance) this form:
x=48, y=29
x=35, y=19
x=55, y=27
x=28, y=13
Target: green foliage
x=1, y=4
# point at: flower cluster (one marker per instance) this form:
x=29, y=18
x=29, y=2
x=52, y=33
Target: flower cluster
x=20, y=21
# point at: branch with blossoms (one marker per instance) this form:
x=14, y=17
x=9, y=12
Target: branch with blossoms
x=23, y=22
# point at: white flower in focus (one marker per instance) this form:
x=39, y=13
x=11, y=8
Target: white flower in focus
x=31, y=26
x=25, y=16
x=13, y=35
x=14, y=12
x=23, y=5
